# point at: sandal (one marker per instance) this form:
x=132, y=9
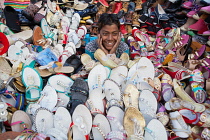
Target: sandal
x=167, y=90
x=179, y=126
x=100, y=127
x=33, y=83
x=176, y=104
x=197, y=85
x=134, y=123
x=175, y=39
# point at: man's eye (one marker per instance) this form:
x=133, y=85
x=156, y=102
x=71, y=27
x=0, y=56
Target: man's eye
x=105, y=34
x=115, y=34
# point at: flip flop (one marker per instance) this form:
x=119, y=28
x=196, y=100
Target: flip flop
x=151, y=131
x=18, y=52
x=95, y=102
x=33, y=83
x=20, y=121
x=81, y=123
x=148, y=105
x=43, y=120
x=63, y=100
x=73, y=37
x=115, y=117
x=60, y=83
x=130, y=96
x=134, y=123
x=48, y=98
x=96, y=77
x=62, y=120
x=119, y=74
x=81, y=32
x=4, y=112
x=100, y=127
x=79, y=94
x=112, y=90
x=145, y=68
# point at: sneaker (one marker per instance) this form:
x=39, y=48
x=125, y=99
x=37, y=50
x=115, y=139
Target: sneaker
x=143, y=18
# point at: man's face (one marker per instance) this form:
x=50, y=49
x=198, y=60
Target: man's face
x=109, y=35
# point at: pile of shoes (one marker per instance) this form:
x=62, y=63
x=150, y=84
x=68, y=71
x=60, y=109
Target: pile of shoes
x=51, y=89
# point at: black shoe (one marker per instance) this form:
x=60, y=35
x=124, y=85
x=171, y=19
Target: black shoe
x=143, y=18
x=12, y=19
x=174, y=6
x=151, y=30
x=165, y=25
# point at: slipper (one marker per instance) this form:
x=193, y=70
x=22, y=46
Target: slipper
x=80, y=5
x=112, y=90
x=75, y=21
x=48, y=98
x=177, y=103
x=60, y=83
x=167, y=90
x=81, y=32
x=197, y=84
x=81, y=123
x=63, y=100
x=145, y=68
x=46, y=29
x=18, y=52
x=105, y=61
x=88, y=62
x=65, y=24
x=179, y=126
x=54, y=133
x=69, y=50
x=79, y=94
x=148, y=105
x=134, y=123
x=5, y=67
x=75, y=62
x=73, y=37
x=52, y=5
x=132, y=75
x=100, y=127
x=62, y=120
x=33, y=83
x=151, y=131
x=4, y=44
x=130, y=96
x=43, y=120
x=115, y=117
x=96, y=77
x=38, y=38
x=20, y=121
x=119, y=74
x=95, y=102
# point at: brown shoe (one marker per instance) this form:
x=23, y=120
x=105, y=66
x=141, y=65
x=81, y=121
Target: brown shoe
x=138, y=5
x=125, y=6
x=135, y=21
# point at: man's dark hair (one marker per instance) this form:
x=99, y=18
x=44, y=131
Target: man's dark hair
x=108, y=19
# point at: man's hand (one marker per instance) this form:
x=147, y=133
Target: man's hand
x=99, y=41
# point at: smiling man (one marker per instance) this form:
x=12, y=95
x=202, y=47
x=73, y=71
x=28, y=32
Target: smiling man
x=109, y=37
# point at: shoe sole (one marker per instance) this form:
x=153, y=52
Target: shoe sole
x=208, y=12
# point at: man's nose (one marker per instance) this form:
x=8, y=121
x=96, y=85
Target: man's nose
x=110, y=37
